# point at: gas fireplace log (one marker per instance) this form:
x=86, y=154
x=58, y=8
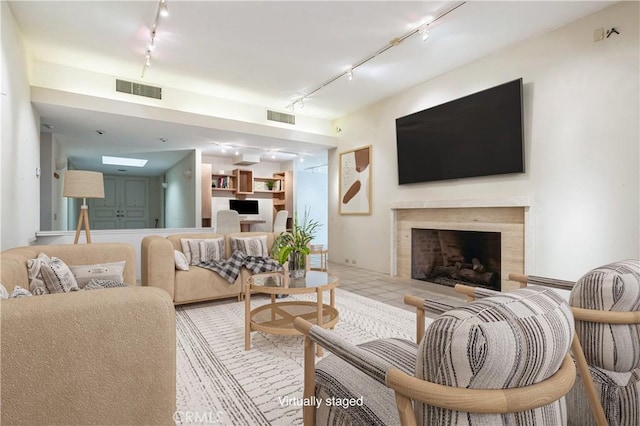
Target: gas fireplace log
x=485, y=278
x=475, y=265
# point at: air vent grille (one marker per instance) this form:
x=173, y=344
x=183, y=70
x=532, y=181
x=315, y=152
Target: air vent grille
x=138, y=89
x=281, y=117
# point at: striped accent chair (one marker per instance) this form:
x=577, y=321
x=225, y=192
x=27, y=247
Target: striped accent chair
x=499, y=360
x=612, y=350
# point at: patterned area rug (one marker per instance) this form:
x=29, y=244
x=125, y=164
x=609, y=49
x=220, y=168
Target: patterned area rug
x=218, y=382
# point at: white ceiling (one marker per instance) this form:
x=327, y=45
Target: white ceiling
x=264, y=53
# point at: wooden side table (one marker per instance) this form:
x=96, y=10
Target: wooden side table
x=319, y=250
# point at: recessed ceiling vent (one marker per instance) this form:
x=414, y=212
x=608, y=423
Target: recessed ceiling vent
x=281, y=117
x=138, y=89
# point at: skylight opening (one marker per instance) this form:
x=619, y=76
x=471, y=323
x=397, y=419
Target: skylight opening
x=122, y=161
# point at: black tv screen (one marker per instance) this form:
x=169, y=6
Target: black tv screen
x=244, y=206
x=478, y=135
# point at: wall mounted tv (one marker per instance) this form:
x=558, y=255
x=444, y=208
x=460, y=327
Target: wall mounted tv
x=478, y=135
x=244, y=206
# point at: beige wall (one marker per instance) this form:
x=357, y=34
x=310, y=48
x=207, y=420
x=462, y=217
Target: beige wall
x=581, y=139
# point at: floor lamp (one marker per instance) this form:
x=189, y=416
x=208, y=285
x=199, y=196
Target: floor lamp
x=83, y=184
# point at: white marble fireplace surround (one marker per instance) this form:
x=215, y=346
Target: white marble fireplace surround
x=512, y=217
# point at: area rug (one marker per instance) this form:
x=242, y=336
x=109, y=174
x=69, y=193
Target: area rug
x=219, y=382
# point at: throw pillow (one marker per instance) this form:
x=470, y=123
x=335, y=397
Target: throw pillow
x=251, y=246
x=191, y=249
x=19, y=292
x=34, y=269
x=211, y=250
x=182, y=264
x=4, y=294
x=102, y=271
x=58, y=277
x=96, y=284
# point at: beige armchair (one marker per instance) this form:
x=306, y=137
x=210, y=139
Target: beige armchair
x=500, y=360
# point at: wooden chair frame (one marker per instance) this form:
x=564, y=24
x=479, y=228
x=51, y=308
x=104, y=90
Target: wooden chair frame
x=579, y=314
x=409, y=388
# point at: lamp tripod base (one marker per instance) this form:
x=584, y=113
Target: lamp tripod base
x=83, y=221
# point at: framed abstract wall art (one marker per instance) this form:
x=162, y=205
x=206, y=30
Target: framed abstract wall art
x=355, y=181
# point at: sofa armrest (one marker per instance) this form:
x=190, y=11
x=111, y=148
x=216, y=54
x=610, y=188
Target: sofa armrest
x=157, y=264
x=89, y=357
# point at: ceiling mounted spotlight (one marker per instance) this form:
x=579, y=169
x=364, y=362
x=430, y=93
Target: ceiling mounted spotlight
x=424, y=33
x=164, y=10
x=100, y=132
x=163, y=139
x=350, y=74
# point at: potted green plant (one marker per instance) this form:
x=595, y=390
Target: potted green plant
x=270, y=184
x=293, y=245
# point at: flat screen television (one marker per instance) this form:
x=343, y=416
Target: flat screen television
x=244, y=206
x=477, y=135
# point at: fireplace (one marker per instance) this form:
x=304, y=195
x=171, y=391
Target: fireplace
x=509, y=219
x=450, y=257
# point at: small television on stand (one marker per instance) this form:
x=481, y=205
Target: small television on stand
x=244, y=207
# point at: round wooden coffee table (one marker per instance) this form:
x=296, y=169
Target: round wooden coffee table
x=277, y=317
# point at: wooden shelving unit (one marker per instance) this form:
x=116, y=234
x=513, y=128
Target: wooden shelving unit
x=242, y=182
x=283, y=199
x=225, y=183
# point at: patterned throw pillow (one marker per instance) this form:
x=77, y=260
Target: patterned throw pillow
x=19, y=292
x=191, y=249
x=34, y=268
x=58, y=277
x=180, y=260
x=251, y=246
x=103, y=271
x=4, y=294
x=96, y=284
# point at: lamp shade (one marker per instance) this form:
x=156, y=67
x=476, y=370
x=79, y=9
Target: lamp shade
x=83, y=184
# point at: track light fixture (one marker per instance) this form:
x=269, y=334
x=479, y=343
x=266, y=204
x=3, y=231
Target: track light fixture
x=423, y=30
x=162, y=11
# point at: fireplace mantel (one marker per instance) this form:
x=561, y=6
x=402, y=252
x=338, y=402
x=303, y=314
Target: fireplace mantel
x=485, y=206
x=447, y=204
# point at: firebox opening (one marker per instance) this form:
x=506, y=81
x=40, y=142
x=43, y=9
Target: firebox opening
x=450, y=257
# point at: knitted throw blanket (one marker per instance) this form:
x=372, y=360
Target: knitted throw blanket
x=229, y=269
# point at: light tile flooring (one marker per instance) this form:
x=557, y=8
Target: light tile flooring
x=391, y=290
